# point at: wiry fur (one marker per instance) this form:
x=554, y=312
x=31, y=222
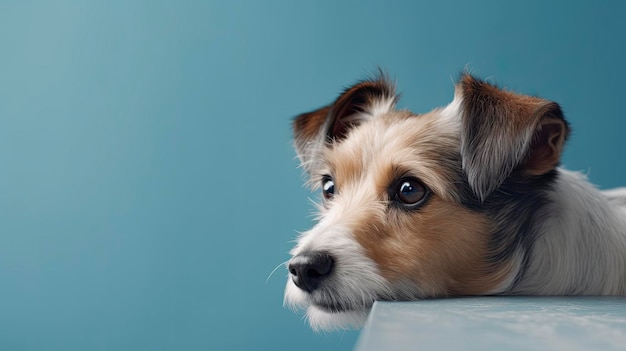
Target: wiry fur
x=498, y=215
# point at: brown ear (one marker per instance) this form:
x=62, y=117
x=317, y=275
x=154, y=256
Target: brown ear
x=502, y=131
x=331, y=124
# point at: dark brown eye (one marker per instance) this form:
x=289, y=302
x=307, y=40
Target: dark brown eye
x=328, y=187
x=410, y=191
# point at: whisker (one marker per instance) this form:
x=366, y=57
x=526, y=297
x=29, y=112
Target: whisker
x=274, y=270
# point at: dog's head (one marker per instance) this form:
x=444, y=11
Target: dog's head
x=418, y=205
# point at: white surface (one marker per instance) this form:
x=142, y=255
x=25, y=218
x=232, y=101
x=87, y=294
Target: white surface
x=497, y=323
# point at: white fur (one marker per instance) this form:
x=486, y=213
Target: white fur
x=382, y=106
x=451, y=111
x=581, y=246
x=356, y=277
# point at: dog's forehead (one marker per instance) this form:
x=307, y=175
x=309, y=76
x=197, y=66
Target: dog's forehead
x=394, y=136
x=424, y=145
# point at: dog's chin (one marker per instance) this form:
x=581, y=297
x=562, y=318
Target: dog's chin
x=325, y=314
x=327, y=318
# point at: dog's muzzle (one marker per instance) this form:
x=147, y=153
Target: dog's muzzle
x=308, y=270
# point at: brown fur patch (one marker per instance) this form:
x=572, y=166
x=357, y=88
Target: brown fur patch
x=513, y=114
x=547, y=147
x=346, y=112
x=513, y=111
x=358, y=99
x=503, y=131
x=441, y=248
x=307, y=125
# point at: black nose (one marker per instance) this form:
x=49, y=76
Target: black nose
x=309, y=269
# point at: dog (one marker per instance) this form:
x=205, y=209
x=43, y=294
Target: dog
x=468, y=199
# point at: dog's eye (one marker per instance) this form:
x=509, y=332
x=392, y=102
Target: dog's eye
x=328, y=187
x=410, y=191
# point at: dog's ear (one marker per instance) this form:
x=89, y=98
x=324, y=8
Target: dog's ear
x=502, y=132
x=331, y=124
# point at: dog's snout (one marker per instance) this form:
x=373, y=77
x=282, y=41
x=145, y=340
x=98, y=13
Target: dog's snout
x=309, y=269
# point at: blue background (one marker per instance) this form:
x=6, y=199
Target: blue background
x=147, y=182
